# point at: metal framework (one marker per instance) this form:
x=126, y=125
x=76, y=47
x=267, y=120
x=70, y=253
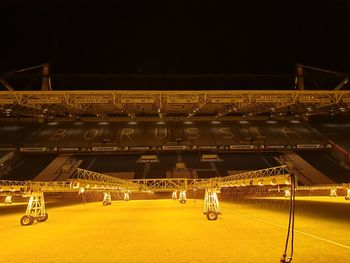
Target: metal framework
x=107, y=200
x=167, y=105
x=92, y=181
x=211, y=204
x=89, y=179
x=270, y=176
x=84, y=180
x=35, y=209
x=324, y=187
x=182, y=197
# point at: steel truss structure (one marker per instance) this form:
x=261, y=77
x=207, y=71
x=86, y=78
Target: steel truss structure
x=319, y=187
x=211, y=204
x=92, y=181
x=35, y=209
x=333, y=188
x=171, y=105
x=84, y=180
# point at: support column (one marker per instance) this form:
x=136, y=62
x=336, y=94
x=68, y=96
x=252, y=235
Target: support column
x=182, y=197
x=126, y=197
x=174, y=195
x=333, y=192
x=107, y=200
x=211, y=204
x=8, y=200
x=347, y=197
x=286, y=193
x=35, y=210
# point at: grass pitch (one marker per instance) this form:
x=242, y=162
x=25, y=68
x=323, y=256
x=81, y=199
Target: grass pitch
x=167, y=231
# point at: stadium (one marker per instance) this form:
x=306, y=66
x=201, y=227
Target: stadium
x=174, y=176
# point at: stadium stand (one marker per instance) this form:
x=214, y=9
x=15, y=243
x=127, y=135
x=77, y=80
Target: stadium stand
x=327, y=165
x=115, y=163
x=83, y=135
x=335, y=130
x=29, y=166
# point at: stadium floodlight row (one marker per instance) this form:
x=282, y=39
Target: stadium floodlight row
x=172, y=105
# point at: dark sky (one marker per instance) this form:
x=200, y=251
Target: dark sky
x=175, y=37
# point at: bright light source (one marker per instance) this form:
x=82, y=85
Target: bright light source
x=53, y=123
x=103, y=123
x=243, y=122
x=160, y=122
x=132, y=122
x=215, y=122
x=294, y=121
x=188, y=122
x=271, y=122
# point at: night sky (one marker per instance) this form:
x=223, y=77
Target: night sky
x=175, y=37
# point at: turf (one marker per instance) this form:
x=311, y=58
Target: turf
x=167, y=231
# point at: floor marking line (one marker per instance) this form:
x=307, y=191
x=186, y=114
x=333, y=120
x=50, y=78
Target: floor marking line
x=297, y=231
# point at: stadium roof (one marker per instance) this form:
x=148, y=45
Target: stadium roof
x=173, y=105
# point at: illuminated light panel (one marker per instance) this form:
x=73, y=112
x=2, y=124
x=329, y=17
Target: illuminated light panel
x=215, y=122
x=103, y=123
x=188, y=122
x=53, y=123
x=271, y=122
x=132, y=122
x=243, y=122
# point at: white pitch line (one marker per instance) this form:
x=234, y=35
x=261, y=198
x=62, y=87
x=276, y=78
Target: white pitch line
x=297, y=231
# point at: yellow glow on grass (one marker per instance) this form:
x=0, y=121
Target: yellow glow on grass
x=165, y=231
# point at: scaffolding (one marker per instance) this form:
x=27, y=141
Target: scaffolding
x=8, y=200
x=35, y=209
x=182, y=197
x=211, y=207
x=87, y=181
x=107, y=200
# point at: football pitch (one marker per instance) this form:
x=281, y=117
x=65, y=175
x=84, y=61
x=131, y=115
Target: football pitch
x=167, y=231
